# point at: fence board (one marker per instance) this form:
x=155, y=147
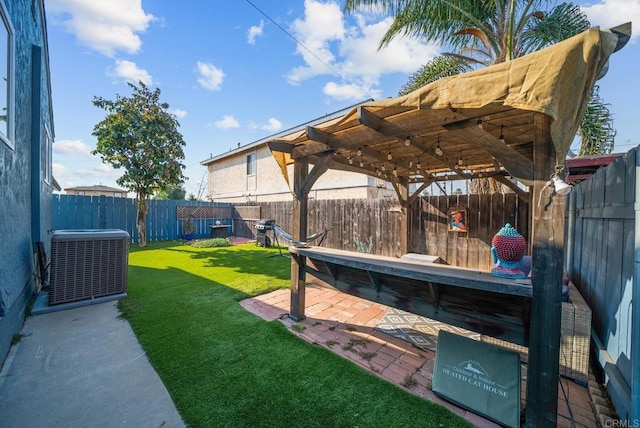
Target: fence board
x=101, y=212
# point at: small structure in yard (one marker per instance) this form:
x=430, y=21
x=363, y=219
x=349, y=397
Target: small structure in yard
x=512, y=122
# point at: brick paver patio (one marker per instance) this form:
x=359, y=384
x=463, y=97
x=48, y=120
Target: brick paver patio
x=346, y=324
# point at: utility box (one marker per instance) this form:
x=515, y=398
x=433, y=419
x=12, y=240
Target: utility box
x=86, y=264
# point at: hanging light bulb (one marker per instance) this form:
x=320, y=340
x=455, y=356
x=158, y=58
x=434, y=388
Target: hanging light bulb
x=438, y=149
x=407, y=141
x=395, y=171
x=361, y=164
x=379, y=173
x=384, y=168
x=359, y=152
x=502, y=134
x=350, y=160
x=418, y=165
x=460, y=162
x=389, y=156
x=479, y=123
x=410, y=164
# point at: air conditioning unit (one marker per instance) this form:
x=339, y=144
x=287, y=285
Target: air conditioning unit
x=86, y=264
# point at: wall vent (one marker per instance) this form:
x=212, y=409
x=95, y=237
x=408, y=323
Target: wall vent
x=86, y=264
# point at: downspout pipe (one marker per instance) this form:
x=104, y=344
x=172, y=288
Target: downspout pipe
x=635, y=305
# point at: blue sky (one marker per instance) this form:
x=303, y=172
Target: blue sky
x=233, y=75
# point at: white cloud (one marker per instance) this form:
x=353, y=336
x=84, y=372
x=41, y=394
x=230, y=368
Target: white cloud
x=254, y=32
x=350, y=51
x=130, y=72
x=89, y=175
x=227, y=122
x=210, y=76
x=272, y=125
x=72, y=148
x=179, y=113
x=611, y=13
x=105, y=26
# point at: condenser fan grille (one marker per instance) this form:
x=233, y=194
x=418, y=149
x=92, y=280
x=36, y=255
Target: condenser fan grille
x=88, y=264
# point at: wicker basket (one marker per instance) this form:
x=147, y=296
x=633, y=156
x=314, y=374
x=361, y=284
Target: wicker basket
x=575, y=336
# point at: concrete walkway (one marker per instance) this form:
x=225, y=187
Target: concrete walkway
x=82, y=367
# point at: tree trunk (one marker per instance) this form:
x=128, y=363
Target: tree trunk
x=485, y=186
x=141, y=220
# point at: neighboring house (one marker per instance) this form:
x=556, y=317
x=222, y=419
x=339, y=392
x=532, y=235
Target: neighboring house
x=250, y=173
x=97, y=190
x=26, y=135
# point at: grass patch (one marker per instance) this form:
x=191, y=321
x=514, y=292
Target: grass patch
x=223, y=366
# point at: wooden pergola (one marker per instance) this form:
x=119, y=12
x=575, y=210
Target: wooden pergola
x=513, y=122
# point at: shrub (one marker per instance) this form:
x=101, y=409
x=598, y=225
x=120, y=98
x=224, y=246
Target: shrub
x=209, y=243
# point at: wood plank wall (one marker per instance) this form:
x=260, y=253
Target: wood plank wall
x=601, y=263
x=379, y=219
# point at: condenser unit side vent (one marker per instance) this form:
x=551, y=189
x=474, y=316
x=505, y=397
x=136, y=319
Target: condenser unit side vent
x=86, y=264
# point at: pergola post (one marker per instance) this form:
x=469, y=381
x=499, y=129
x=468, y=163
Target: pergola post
x=547, y=266
x=402, y=191
x=299, y=233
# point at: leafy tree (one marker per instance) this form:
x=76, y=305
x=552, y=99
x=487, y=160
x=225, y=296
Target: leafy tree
x=172, y=193
x=482, y=33
x=139, y=135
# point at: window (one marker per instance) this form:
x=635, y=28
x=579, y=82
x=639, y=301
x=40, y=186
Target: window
x=117, y=195
x=251, y=164
x=6, y=77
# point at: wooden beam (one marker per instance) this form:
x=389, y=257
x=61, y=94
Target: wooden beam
x=319, y=168
x=516, y=163
x=369, y=119
x=513, y=186
x=299, y=233
x=423, y=186
x=402, y=190
x=280, y=146
x=547, y=266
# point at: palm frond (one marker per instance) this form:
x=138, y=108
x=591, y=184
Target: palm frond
x=563, y=21
x=596, y=132
x=437, y=68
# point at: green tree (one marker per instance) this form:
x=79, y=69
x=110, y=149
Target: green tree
x=172, y=193
x=140, y=136
x=482, y=33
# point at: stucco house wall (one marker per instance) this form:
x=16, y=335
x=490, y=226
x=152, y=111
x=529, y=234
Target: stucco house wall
x=230, y=179
x=25, y=162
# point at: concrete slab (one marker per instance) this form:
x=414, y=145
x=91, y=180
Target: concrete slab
x=82, y=367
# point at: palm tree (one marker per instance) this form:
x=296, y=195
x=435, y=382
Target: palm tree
x=486, y=32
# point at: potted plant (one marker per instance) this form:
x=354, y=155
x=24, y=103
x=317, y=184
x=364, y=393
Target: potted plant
x=188, y=227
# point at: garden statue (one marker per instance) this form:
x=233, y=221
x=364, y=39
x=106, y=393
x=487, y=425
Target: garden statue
x=508, y=248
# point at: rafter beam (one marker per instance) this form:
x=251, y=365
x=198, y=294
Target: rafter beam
x=280, y=146
x=517, y=164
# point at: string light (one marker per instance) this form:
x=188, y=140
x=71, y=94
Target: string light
x=389, y=156
x=350, y=160
x=407, y=141
x=359, y=152
x=502, y=134
x=395, y=171
x=361, y=164
x=438, y=149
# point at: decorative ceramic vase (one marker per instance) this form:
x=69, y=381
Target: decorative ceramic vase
x=508, y=248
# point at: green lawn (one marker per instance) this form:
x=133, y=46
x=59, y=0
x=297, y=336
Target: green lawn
x=223, y=366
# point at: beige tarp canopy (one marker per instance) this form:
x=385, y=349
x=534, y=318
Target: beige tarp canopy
x=472, y=125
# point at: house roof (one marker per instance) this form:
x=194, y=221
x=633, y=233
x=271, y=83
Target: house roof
x=95, y=188
x=471, y=125
x=263, y=141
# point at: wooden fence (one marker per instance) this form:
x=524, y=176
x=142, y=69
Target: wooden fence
x=602, y=262
x=378, y=221
x=163, y=223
